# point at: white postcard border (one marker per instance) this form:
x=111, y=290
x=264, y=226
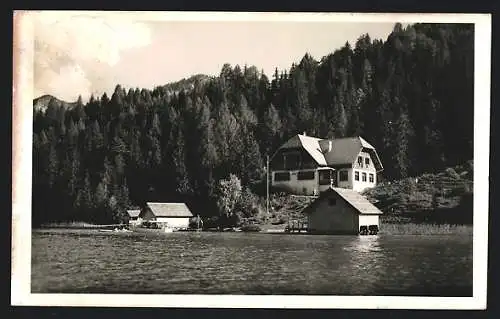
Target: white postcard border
x=22, y=174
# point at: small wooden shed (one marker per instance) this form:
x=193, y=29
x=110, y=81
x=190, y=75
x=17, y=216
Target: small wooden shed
x=172, y=215
x=133, y=216
x=342, y=211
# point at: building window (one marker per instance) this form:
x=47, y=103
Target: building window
x=371, y=178
x=343, y=176
x=356, y=176
x=332, y=201
x=282, y=176
x=360, y=161
x=363, y=177
x=367, y=161
x=305, y=175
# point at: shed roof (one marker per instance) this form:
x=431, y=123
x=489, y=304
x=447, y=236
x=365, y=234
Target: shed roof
x=169, y=209
x=134, y=212
x=360, y=203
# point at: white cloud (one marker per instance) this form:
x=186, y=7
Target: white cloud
x=71, y=80
x=72, y=52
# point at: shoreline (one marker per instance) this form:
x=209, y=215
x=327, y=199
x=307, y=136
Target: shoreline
x=394, y=229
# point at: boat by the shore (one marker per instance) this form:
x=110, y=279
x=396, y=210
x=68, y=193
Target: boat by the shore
x=116, y=230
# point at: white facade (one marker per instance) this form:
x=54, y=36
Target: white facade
x=353, y=161
x=298, y=185
x=364, y=174
x=360, y=176
x=135, y=222
x=174, y=222
x=368, y=220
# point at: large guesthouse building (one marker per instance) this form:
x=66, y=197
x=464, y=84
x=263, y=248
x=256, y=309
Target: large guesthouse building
x=309, y=165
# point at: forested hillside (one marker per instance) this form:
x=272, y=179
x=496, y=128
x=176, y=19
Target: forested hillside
x=410, y=96
x=446, y=197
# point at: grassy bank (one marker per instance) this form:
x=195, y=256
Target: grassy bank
x=441, y=221
x=72, y=225
x=282, y=209
x=442, y=198
x=425, y=229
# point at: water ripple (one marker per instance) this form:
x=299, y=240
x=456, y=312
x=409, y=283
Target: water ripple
x=236, y=263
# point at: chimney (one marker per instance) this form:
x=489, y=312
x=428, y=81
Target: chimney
x=325, y=146
x=304, y=133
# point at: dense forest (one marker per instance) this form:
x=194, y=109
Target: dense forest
x=410, y=96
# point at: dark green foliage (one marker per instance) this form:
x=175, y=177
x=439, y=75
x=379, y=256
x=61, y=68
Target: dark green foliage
x=410, y=96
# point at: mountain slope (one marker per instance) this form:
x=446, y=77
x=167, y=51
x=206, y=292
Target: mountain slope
x=42, y=103
x=186, y=84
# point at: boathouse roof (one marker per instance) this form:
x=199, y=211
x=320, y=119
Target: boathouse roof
x=134, y=212
x=354, y=199
x=169, y=209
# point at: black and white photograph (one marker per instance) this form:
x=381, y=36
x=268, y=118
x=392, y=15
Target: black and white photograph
x=250, y=159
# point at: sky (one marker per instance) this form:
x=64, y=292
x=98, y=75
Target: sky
x=82, y=55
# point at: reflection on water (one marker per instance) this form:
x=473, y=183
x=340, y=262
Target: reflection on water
x=239, y=263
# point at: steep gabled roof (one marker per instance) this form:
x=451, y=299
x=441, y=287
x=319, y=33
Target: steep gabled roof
x=309, y=143
x=134, y=212
x=346, y=150
x=357, y=201
x=169, y=209
x=343, y=150
x=351, y=197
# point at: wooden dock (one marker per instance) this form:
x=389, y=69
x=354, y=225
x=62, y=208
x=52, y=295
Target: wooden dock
x=296, y=227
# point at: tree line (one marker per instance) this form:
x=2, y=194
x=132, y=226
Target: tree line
x=410, y=96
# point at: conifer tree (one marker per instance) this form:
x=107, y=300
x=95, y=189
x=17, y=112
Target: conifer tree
x=410, y=95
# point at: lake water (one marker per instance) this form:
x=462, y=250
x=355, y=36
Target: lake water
x=72, y=261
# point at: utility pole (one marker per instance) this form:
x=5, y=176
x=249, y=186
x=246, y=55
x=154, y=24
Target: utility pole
x=267, y=185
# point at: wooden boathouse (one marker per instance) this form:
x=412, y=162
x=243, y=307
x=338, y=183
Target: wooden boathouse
x=342, y=211
x=133, y=217
x=172, y=215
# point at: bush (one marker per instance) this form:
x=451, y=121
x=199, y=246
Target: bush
x=248, y=203
x=193, y=222
x=211, y=222
x=452, y=173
